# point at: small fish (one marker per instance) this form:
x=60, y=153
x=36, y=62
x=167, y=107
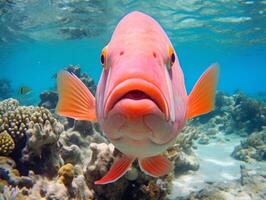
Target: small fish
x=54, y=76
x=141, y=102
x=24, y=90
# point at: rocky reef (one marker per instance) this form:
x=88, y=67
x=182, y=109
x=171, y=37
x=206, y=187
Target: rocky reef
x=49, y=98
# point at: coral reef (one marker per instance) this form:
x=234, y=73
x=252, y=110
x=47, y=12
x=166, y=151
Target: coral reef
x=75, y=142
x=5, y=89
x=182, y=153
x=10, y=175
x=236, y=114
x=134, y=185
x=253, y=148
x=249, y=114
x=34, y=132
x=72, y=182
x=49, y=99
x=69, y=187
x=74, y=156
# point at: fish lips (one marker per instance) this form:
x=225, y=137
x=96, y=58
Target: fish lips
x=136, y=90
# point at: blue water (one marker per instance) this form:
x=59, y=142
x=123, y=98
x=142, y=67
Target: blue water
x=34, y=47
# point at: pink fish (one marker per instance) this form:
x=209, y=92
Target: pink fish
x=141, y=102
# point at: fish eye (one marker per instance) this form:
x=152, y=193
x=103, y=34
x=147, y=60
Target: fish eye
x=171, y=56
x=103, y=58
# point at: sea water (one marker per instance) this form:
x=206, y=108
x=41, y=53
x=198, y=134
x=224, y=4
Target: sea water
x=38, y=38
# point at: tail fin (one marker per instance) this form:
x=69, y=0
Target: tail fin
x=202, y=97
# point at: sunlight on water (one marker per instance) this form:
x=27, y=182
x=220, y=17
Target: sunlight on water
x=229, y=22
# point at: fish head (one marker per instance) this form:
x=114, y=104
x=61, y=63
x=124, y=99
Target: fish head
x=135, y=104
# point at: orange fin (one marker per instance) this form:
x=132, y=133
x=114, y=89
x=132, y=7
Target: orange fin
x=155, y=166
x=202, y=97
x=117, y=170
x=75, y=99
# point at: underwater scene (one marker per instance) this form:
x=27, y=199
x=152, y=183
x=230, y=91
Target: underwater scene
x=132, y=100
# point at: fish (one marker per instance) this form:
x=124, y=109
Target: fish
x=24, y=90
x=54, y=76
x=141, y=103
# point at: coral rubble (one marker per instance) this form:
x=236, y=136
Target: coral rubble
x=251, y=185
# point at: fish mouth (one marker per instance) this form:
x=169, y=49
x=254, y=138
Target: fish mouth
x=136, y=90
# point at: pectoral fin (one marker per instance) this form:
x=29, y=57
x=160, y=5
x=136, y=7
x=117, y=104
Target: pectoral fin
x=202, y=98
x=117, y=170
x=155, y=166
x=75, y=99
